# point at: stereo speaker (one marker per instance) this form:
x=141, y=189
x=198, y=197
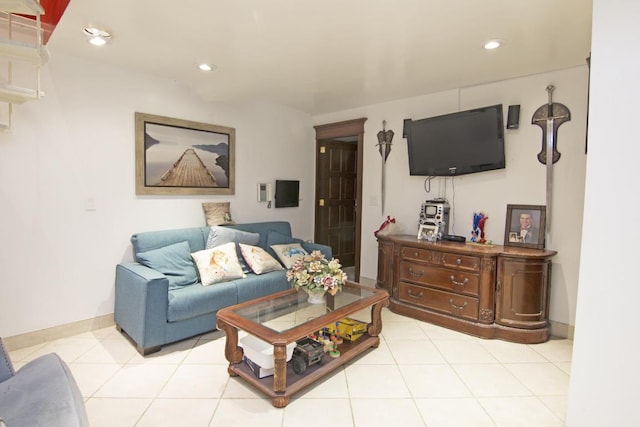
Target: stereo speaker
x=513, y=117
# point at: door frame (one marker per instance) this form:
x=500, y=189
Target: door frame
x=348, y=128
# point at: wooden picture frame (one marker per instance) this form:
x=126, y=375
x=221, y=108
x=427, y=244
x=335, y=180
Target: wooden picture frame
x=181, y=157
x=525, y=217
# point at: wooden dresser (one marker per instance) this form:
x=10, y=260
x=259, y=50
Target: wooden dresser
x=486, y=291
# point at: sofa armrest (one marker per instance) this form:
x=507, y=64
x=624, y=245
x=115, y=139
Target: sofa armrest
x=311, y=246
x=141, y=301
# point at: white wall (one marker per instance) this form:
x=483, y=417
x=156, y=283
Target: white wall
x=604, y=371
x=58, y=259
x=522, y=182
x=77, y=143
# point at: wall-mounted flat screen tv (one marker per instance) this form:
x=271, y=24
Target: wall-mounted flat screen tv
x=287, y=193
x=456, y=144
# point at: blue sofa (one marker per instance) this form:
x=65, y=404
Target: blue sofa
x=153, y=313
x=41, y=393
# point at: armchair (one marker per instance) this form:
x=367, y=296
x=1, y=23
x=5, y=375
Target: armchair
x=41, y=393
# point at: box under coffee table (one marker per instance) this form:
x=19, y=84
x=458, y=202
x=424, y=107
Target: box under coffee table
x=284, y=317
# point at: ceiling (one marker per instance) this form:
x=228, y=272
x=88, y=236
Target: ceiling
x=329, y=55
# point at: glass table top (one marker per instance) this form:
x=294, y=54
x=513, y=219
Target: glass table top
x=287, y=311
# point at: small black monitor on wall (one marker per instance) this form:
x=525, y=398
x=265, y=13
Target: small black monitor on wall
x=287, y=193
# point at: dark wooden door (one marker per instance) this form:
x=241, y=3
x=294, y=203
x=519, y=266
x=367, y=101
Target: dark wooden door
x=336, y=177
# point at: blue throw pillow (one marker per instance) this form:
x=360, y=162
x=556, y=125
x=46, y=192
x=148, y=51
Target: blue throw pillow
x=174, y=261
x=220, y=235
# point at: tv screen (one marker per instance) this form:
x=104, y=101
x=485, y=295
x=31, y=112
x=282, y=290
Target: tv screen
x=457, y=143
x=287, y=193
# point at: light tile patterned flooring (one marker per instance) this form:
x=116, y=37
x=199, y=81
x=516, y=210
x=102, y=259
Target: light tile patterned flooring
x=421, y=375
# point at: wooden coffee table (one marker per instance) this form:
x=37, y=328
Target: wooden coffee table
x=284, y=317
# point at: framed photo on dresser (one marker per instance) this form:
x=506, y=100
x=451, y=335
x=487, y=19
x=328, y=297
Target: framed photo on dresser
x=525, y=226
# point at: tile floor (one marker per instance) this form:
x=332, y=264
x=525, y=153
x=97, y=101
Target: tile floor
x=421, y=375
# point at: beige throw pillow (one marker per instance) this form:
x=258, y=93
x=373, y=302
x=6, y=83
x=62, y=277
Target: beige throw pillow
x=289, y=253
x=258, y=259
x=217, y=213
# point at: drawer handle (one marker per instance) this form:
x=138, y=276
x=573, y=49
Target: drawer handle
x=415, y=255
x=418, y=296
x=464, y=282
x=457, y=307
x=416, y=274
x=458, y=261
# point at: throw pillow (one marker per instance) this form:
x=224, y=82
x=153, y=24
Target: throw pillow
x=289, y=253
x=217, y=213
x=275, y=238
x=174, y=261
x=258, y=259
x=221, y=235
x=218, y=264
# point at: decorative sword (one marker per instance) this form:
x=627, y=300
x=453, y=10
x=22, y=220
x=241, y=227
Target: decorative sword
x=384, y=147
x=549, y=117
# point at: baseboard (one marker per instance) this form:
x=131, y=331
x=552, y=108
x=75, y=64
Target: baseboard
x=62, y=331
x=561, y=330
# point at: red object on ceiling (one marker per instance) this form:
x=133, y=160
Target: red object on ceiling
x=53, y=10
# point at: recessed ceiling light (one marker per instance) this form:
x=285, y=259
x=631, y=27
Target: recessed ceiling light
x=206, y=67
x=492, y=44
x=96, y=36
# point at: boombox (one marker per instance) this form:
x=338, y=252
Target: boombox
x=436, y=212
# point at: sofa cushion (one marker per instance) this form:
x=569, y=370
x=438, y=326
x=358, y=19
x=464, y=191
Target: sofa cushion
x=148, y=240
x=218, y=264
x=221, y=235
x=263, y=228
x=254, y=286
x=192, y=301
x=258, y=259
x=311, y=246
x=174, y=261
x=289, y=253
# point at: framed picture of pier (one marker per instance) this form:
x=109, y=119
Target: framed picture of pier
x=181, y=157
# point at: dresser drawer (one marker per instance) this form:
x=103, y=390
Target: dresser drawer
x=434, y=299
x=417, y=254
x=449, y=280
x=461, y=262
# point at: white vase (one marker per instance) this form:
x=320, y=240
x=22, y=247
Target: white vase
x=316, y=296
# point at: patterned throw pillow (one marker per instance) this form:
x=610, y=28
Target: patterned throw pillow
x=289, y=253
x=220, y=235
x=258, y=259
x=218, y=264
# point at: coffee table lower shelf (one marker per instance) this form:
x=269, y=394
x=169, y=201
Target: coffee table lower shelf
x=296, y=382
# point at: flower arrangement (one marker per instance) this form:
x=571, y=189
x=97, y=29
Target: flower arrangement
x=314, y=272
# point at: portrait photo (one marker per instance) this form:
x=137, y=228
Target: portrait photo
x=525, y=226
